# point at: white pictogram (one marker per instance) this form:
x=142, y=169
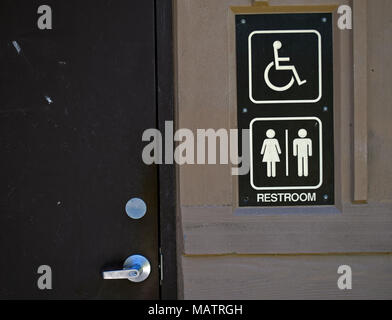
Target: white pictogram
x=277, y=60
x=271, y=151
x=263, y=87
x=284, y=148
x=303, y=149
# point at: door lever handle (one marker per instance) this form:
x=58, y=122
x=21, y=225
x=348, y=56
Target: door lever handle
x=121, y=274
x=136, y=269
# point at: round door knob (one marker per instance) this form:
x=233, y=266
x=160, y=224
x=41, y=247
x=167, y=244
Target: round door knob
x=140, y=263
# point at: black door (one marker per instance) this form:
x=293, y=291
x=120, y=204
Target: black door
x=75, y=101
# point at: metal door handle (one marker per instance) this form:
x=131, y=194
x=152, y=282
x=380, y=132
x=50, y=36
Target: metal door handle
x=136, y=269
x=121, y=274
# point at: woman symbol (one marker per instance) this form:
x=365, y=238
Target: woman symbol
x=271, y=151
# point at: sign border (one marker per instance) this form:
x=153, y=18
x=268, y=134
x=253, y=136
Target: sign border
x=250, y=66
x=291, y=187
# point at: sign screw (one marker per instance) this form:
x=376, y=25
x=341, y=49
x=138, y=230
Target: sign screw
x=245, y=110
x=325, y=109
x=246, y=199
x=326, y=197
x=243, y=21
x=324, y=19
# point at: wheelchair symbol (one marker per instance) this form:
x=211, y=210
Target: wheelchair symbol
x=277, y=46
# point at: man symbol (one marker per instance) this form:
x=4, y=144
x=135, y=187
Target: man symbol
x=303, y=150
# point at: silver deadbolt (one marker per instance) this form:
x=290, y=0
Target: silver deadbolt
x=136, y=269
x=136, y=208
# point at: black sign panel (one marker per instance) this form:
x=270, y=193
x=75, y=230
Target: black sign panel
x=285, y=100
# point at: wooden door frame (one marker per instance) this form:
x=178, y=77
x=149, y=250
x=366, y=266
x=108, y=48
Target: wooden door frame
x=166, y=173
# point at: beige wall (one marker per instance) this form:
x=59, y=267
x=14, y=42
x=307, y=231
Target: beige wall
x=224, y=255
x=380, y=100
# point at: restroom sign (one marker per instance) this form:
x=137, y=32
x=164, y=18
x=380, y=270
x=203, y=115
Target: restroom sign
x=285, y=99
